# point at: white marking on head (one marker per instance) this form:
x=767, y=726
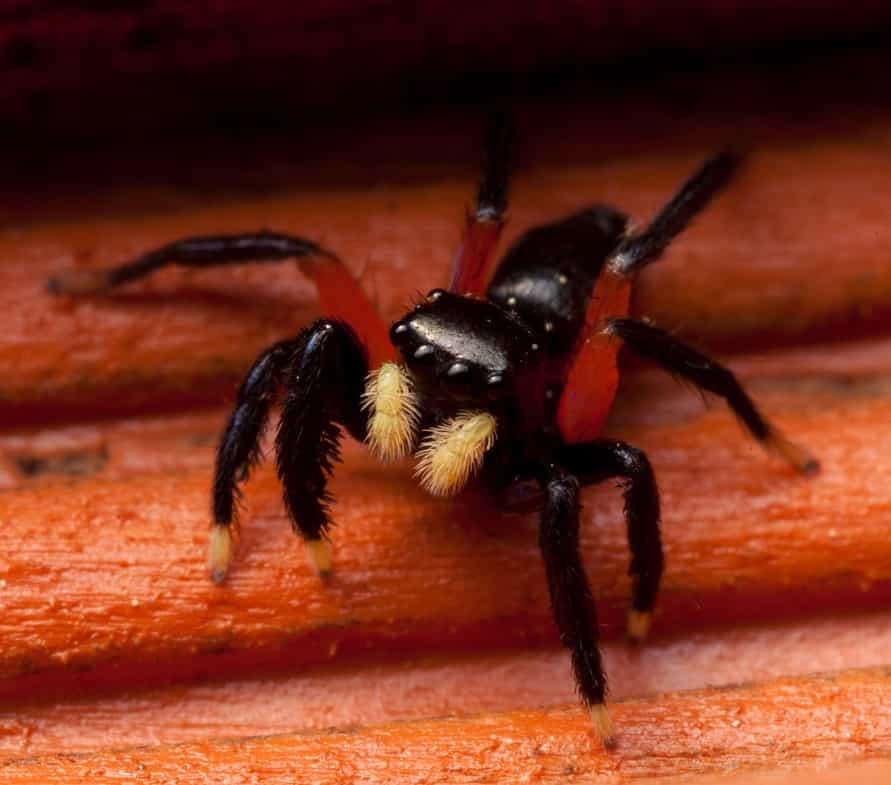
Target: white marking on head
x=453, y=451
x=393, y=412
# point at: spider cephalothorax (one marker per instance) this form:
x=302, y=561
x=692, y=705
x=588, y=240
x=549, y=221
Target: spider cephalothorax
x=508, y=376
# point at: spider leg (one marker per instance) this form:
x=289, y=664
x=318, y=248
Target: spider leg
x=324, y=391
x=691, y=365
x=340, y=294
x=599, y=460
x=643, y=248
x=475, y=257
x=581, y=411
x=239, y=448
x=571, y=602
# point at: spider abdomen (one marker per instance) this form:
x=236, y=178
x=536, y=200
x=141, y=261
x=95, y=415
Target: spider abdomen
x=547, y=276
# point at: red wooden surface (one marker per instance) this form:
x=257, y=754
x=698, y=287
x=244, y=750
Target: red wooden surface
x=110, y=633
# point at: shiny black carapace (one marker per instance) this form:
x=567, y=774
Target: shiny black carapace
x=507, y=376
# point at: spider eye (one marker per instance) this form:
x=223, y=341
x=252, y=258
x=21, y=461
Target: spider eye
x=424, y=352
x=435, y=295
x=458, y=371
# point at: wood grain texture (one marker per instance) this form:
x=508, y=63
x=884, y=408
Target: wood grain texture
x=684, y=734
x=111, y=634
x=262, y=702
x=754, y=541
x=183, y=339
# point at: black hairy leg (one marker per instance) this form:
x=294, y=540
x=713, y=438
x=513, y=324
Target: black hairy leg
x=642, y=248
x=691, y=365
x=340, y=294
x=580, y=415
x=239, y=448
x=323, y=391
x=475, y=258
x=600, y=460
x=210, y=251
x=571, y=601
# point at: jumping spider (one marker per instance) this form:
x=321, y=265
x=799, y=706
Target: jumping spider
x=508, y=376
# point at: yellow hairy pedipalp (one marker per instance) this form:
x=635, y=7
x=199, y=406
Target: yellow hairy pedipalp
x=454, y=450
x=393, y=412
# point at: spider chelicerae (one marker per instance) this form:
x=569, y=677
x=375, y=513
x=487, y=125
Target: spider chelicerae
x=508, y=376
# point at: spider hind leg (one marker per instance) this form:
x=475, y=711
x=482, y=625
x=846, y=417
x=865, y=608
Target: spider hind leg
x=693, y=366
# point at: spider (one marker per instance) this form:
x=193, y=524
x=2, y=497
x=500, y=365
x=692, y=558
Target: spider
x=507, y=376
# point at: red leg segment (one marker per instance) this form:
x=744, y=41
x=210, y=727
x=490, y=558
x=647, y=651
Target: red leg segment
x=593, y=376
x=340, y=294
x=341, y=297
x=475, y=260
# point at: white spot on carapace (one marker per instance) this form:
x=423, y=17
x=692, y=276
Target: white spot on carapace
x=511, y=301
x=393, y=412
x=454, y=450
x=562, y=279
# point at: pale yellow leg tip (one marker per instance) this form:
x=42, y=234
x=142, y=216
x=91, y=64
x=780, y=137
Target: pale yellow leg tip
x=78, y=282
x=637, y=628
x=319, y=555
x=219, y=552
x=802, y=459
x=603, y=725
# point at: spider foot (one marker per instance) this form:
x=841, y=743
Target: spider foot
x=637, y=627
x=799, y=457
x=319, y=555
x=79, y=282
x=603, y=725
x=221, y=549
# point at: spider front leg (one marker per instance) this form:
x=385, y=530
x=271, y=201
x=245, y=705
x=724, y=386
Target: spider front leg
x=692, y=365
x=239, y=448
x=323, y=372
x=599, y=460
x=323, y=390
x=571, y=601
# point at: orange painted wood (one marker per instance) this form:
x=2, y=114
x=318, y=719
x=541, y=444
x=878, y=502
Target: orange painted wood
x=103, y=571
x=803, y=227
x=876, y=772
x=110, y=633
x=781, y=723
x=289, y=700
